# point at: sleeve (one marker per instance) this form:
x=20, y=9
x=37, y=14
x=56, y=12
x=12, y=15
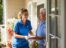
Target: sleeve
x=36, y=31
x=44, y=31
x=16, y=29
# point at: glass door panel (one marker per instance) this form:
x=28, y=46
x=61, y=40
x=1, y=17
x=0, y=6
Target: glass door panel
x=53, y=19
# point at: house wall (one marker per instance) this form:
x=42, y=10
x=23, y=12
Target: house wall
x=41, y=2
x=13, y=6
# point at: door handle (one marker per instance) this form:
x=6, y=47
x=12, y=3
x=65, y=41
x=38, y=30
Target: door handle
x=54, y=37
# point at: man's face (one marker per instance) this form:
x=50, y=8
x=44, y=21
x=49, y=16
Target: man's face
x=42, y=15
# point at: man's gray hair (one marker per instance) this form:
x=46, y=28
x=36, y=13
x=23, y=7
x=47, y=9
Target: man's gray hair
x=43, y=10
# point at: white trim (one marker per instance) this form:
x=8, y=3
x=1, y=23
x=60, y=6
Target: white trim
x=42, y=2
x=4, y=15
x=4, y=10
x=62, y=25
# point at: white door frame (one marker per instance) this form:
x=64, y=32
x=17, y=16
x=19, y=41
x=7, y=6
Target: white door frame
x=65, y=22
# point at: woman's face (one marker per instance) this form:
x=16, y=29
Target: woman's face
x=25, y=16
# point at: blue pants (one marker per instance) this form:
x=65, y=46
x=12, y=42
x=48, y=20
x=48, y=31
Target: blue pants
x=20, y=47
x=25, y=46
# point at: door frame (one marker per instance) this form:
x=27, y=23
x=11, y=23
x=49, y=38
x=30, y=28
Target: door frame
x=62, y=24
x=65, y=20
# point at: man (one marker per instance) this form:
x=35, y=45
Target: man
x=41, y=29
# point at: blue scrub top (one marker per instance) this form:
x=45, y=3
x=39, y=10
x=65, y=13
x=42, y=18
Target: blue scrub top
x=23, y=30
x=41, y=31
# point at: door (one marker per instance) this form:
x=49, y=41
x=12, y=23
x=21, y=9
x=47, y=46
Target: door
x=53, y=33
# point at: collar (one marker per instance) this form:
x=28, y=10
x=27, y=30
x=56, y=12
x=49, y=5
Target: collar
x=43, y=22
x=22, y=22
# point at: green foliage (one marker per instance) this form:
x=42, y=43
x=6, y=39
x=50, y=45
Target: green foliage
x=0, y=1
x=0, y=39
x=0, y=36
x=1, y=12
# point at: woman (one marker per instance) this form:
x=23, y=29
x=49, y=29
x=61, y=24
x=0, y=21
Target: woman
x=21, y=30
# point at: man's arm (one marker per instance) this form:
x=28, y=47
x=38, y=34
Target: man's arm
x=40, y=38
x=37, y=38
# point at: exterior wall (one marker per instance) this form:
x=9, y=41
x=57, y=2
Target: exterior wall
x=41, y=2
x=13, y=6
x=32, y=8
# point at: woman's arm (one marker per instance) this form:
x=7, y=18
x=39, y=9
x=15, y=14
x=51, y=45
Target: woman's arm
x=19, y=36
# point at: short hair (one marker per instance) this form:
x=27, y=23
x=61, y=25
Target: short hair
x=23, y=10
x=43, y=10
